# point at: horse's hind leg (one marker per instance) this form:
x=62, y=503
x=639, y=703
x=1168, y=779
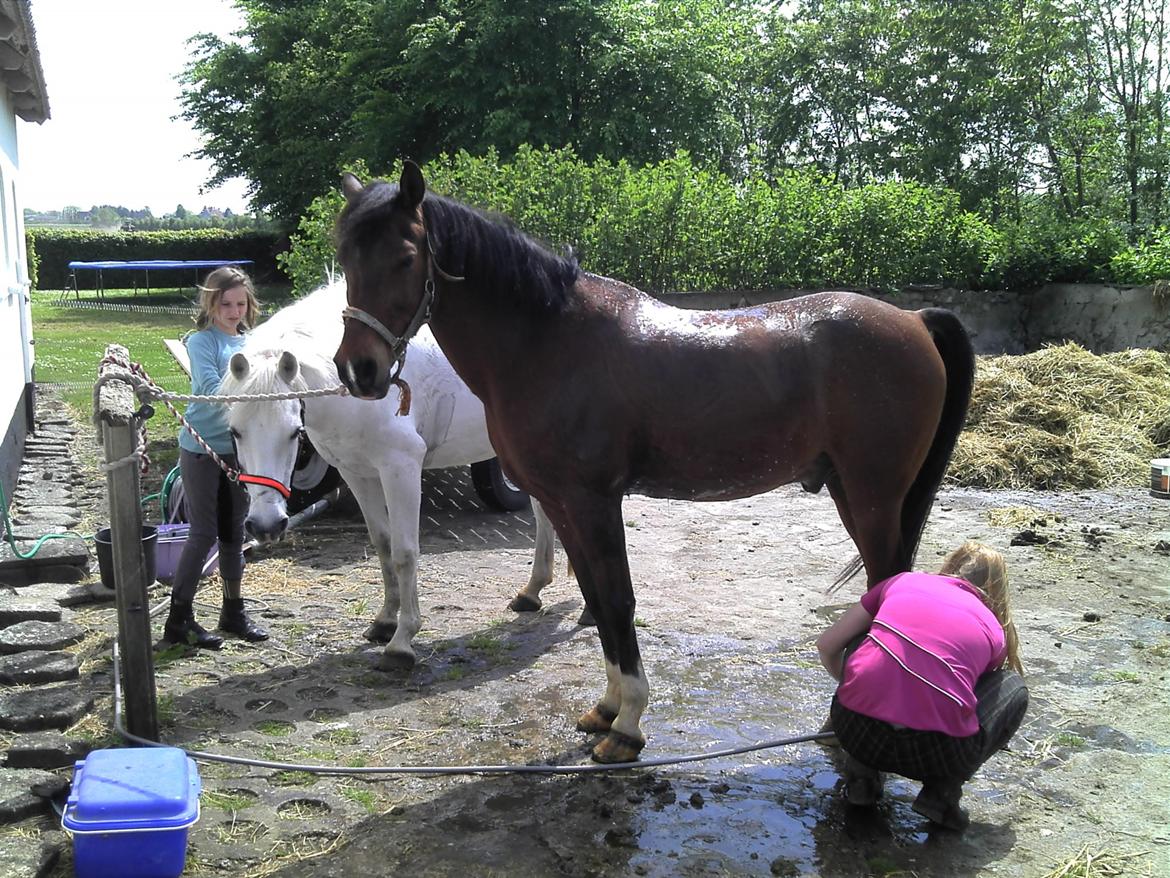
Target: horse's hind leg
x=528, y=599
x=368, y=493
x=872, y=514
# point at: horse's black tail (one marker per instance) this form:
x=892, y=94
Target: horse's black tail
x=954, y=346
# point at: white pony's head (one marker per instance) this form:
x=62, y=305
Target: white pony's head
x=267, y=434
x=291, y=351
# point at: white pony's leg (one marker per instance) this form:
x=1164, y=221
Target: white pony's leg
x=528, y=599
x=367, y=490
x=402, y=489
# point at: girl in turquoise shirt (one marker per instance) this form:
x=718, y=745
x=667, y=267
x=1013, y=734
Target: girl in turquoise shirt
x=216, y=505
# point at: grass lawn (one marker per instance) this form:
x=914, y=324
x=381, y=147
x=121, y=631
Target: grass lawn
x=70, y=342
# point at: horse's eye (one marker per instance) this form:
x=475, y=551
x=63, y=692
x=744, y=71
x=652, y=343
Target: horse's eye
x=405, y=262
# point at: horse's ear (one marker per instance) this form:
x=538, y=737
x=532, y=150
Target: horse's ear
x=351, y=187
x=288, y=367
x=239, y=366
x=411, y=186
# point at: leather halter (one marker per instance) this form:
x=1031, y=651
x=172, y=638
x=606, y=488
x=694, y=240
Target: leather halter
x=398, y=343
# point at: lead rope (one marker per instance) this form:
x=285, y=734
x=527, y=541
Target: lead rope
x=404, y=395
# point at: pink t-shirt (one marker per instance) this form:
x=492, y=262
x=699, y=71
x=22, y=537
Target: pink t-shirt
x=931, y=639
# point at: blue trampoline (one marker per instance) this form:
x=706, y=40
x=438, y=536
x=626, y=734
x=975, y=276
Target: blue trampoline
x=146, y=266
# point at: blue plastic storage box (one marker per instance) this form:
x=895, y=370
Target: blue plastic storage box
x=129, y=811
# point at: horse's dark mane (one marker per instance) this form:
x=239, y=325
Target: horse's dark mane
x=488, y=249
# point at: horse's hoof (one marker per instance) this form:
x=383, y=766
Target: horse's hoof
x=586, y=619
x=599, y=719
x=522, y=603
x=396, y=661
x=380, y=632
x=617, y=747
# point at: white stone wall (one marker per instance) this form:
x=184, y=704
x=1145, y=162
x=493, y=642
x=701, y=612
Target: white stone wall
x=1097, y=317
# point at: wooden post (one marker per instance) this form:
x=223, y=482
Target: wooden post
x=116, y=407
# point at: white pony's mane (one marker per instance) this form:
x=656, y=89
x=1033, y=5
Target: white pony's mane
x=310, y=328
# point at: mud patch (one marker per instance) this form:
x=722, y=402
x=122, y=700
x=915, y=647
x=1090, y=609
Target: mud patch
x=730, y=599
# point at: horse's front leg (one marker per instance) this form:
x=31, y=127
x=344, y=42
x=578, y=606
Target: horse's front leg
x=528, y=598
x=595, y=540
x=367, y=490
x=402, y=493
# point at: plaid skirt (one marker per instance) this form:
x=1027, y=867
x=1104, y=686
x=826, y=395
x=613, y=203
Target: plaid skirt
x=1002, y=702
x=909, y=752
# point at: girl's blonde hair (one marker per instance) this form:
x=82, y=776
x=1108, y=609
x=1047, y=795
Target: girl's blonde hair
x=985, y=569
x=215, y=285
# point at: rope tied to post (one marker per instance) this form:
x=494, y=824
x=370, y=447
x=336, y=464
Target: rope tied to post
x=123, y=372
x=147, y=389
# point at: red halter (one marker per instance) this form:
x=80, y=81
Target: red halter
x=280, y=487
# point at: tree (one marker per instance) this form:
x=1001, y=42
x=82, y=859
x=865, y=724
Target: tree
x=104, y=217
x=1124, y=44
x=319, y=83
x=1016, y=105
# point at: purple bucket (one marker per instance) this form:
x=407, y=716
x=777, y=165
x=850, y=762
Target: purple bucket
x=172, y=538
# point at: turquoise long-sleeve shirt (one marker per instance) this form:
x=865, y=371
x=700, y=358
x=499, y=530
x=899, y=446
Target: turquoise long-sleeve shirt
x=209, y=350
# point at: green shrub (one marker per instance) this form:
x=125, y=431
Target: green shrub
x=1045, y=247
x=311, y=260
x=677, y=226
x=32, y=258
x=1146, y=263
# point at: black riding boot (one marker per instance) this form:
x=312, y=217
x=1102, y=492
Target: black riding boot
x=938, y=802
x=181, y=627
x=234, y=620
x=863, y=785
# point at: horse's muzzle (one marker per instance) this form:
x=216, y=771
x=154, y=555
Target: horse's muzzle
x=362, y=377
x=266, y=533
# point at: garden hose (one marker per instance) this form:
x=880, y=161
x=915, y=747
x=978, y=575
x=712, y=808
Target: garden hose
x=433, y=770
x=163, y=495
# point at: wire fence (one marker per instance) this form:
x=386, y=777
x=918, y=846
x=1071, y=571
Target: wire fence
x=126, y=306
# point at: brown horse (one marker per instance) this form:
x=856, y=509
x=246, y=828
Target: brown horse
x=594, y=390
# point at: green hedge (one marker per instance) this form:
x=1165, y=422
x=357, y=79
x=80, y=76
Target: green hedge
x=51, y=250
x=1146, y=263
x=674, y=226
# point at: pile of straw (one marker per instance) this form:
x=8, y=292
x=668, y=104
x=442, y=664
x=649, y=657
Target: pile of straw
x=1064, y=418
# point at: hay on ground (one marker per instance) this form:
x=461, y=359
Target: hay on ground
x=1065, y=418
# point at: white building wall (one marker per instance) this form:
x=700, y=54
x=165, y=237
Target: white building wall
x=16, y=352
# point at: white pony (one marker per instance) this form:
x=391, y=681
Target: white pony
x=379, y=453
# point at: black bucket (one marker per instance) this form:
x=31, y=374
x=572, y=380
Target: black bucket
x=105, y=554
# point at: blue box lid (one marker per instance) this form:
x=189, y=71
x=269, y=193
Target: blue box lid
x=133, y=788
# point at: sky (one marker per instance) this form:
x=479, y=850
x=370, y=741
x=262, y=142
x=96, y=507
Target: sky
x=110, y=73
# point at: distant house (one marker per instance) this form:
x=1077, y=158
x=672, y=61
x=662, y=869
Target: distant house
x=22, y=93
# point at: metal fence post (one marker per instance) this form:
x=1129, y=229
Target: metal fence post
x=117, y=406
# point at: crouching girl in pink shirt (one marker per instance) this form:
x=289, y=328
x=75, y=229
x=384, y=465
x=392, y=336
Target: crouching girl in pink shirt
x=924, y=691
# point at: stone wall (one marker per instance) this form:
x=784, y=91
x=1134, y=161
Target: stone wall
x=1099, y=318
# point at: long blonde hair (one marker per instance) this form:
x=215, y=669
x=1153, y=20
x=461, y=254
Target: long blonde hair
x=215, y=285
x=985, y=569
